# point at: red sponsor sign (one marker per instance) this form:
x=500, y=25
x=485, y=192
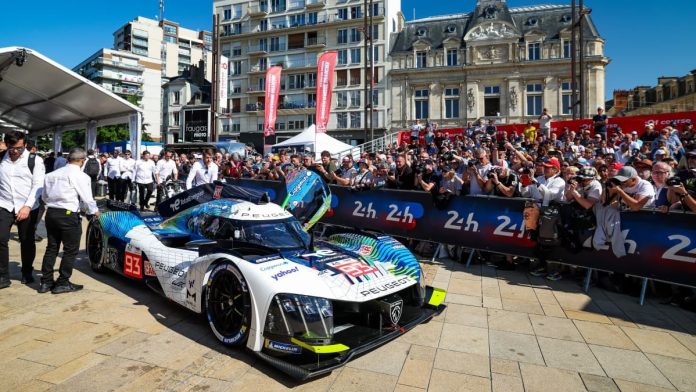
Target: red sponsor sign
x=272, y=93
x=355, y=268
x=627, y=125
x=133, y=265
x=218, y=192
x=325, y=75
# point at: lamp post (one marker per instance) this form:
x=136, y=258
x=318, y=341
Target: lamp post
x=369, y=67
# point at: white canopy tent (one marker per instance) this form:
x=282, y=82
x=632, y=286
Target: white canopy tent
x=310, y=140
x=40, y=96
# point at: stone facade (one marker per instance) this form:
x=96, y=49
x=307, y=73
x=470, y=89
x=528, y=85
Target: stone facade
x=670, y=94
x=495, y=63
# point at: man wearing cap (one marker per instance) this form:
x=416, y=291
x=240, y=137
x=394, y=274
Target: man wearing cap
x=346, y=172
x=600, y=122
x=549, y=186
x=644, y=168
x=634, y=191
x=585, y=190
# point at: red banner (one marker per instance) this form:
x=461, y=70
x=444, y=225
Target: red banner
x=271, y=107
x=627, y=125
x=325, y=75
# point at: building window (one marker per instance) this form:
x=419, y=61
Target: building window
x=276, y=46
x=355, y=118
x=421, y=104
x=310, y=119
x=491, y=90
x=311, y=79
x=341, y=120
x=263, y=25
x=227, y=14
x=421, y=60
x=169, y=29
x=277, y=5
x=342, y=57
x=342, y=36
x=312, y=18
x=356, y=12
x=355, y=35
x=237, y=51
x=566, y=49
x=175, y=119
x=535, y=100
x=295, y=124
x=355, y=56
x=534, y=51
x=296, y=81
x=297, y=20
x=176, y=98
x=451, y=57
x=451, y=103
x=535, y=88
x=566, y=98
x=236, y=68
x=311, y=100
x=263, y=45
x=376, y=54
x=341, y=99
x=169, y=38
x=342, y=14
x=355, y=98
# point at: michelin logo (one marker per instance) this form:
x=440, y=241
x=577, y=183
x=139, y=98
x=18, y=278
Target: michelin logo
x=283, y=347
x=285, y=272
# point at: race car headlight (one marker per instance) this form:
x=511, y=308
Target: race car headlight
x=302, y=316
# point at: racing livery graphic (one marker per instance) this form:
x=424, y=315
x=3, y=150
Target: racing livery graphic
x=255, y=271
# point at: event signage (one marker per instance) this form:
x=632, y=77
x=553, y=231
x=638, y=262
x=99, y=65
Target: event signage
x=325, y=75
x=224, y=81
x=627, y=125
x=658, y=246
x=196, y=123
x=271, y=107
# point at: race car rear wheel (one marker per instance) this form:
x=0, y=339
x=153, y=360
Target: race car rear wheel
x=228, y=305
x=95, y=244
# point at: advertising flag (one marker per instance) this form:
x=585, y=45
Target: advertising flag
x=325, y=75
x=271, y=106
x=224, y=80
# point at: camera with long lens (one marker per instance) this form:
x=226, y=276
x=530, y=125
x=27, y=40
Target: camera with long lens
x=448, y=156
x=673, y=181
x=496, y=171
x=612, y=182
x=473, y=162
x=419, y=168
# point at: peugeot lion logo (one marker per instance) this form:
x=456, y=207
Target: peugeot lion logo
x=395, y=311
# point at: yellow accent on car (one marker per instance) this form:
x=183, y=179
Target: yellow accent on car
x=329, y=349
x=437, y=297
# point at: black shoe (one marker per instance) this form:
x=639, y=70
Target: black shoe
x=28, y=279
x=45, y=287
x=5, y=283
x=66, y=288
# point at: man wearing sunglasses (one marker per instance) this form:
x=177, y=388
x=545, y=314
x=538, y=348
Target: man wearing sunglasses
x=20, y=188
x=204, y=171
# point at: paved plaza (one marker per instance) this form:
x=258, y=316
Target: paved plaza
x=502, y=331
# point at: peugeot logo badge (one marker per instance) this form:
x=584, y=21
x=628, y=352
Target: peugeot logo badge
x=395, y=310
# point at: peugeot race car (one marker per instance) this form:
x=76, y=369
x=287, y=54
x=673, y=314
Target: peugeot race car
x=254, y=270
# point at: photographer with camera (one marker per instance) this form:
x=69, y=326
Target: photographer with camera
x=344, y=174
x=682, y=187
x=426, y=178
x=546, y=188
x=503, y=182
x=634, y=191
x=363, y=179
x=477, y=171
x=402, y=177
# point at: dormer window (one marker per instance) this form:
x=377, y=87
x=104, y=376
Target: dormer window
x=533, y=21
x=490, y=11
x=421, y=32
x=451, y=29
x=566, y=18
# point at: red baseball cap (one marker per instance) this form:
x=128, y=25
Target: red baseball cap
x=553, y=162
x=616, y=166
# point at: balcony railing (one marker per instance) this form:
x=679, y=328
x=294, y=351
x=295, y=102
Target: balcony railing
x=109, y=75
x=258, y=10
x=255, y=107
x=315, y=41
x=315, y=3
x=127, y=90
x=118, y=64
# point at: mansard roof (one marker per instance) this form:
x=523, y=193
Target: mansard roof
x=549, y=20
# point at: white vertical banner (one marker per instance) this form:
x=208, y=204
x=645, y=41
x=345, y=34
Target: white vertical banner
x=134, y=124
x=223, y=76
x=91, y=136
x=58, y=139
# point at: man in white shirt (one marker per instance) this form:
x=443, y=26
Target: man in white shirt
x=548, y=187
x=478, y=173
x=20, y=187
x=634, y=191
x=166, y=168
x=127, y=166
x=113, y=174
x=144, y=178
x=63, y=191
x=545, y=123
x=204, y=171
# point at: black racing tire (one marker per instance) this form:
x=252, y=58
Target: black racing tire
x=95, y=242
x=228, y=305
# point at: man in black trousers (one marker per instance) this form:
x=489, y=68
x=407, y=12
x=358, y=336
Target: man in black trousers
x=63, y=190
x=21, y=180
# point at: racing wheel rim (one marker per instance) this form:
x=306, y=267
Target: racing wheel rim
x=95, y=245
x=228, y=305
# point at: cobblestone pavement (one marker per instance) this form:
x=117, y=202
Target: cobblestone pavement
x=502, y=331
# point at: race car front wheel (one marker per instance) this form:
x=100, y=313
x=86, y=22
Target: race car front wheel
x=95, y=245
x=228, y=305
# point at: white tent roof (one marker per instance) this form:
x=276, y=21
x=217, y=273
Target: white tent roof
x=38, y=94
x=323, y=142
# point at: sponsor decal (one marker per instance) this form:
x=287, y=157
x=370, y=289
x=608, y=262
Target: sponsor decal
x=274, y=266
x=170, y=269
x=190, y=296
x=149, y=271
x=112, y=257
x=133, y=262
x=385, y=287
x=191, y=283
x=218, y=192
x=354, y=268
x=282, y=273
x=283, y=347
x=177, y=203
x=178, y=283
x=365, y=250
x=266, y=259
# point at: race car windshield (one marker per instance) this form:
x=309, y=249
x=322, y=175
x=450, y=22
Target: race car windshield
x=277, y=234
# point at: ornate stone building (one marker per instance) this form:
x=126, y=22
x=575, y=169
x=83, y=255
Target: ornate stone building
x=670, y=94
x=496, y=62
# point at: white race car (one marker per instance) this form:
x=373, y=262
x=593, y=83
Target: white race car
x=255, y=271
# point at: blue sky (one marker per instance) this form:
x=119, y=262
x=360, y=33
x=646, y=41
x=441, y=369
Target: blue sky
x=645, y=38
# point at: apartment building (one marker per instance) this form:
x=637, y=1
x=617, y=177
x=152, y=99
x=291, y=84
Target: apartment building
x=133, y=77
x=495, y=62
x=258, y=34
